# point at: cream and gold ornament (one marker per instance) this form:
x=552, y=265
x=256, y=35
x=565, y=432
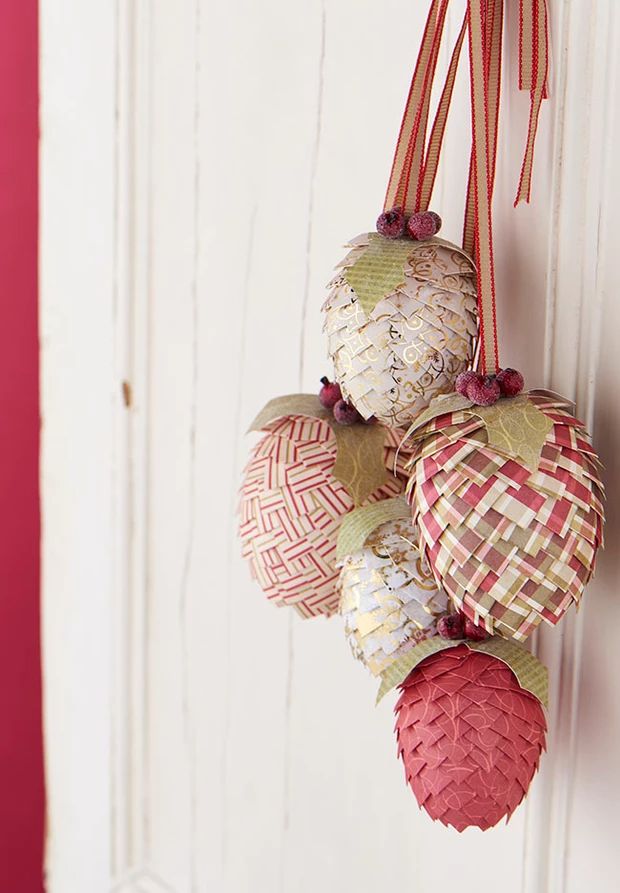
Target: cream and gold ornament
x=401, y=323
x=302, y=478
x=400, y=316
x=389, y=600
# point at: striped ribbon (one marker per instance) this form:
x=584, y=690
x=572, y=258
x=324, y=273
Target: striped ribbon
x=533, y=76
x=414, y=168
x=485, y=22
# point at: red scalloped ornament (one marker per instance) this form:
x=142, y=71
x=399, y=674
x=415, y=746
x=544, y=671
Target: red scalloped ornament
x=469, y=736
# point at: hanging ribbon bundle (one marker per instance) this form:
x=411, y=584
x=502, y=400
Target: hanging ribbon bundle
x=506, y=497
x=503, y=513
x=414, y=170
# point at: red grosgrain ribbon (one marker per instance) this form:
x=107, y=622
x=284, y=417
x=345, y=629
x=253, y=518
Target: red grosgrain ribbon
x=482, y=169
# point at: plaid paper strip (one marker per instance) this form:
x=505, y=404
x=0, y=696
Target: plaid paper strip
x=510, y=546
x=399, y=335
x=469, y=736
x=291, y=507
x=389, y=599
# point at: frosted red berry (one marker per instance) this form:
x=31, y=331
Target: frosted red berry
x=451, y=626
x=422, y=225
x=510, y=382
x=437, y=219
x=484, y=392
x=475, y=633
x=345, y=414
x=330, y=393
x=391, y=224
x=463, y=380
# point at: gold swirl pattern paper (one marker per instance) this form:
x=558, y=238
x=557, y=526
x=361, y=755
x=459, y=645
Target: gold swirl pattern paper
x=389, y=599
x=510, y=545
x=291, y=505
x=405, y=336
x=531, y=674
x=357, y=526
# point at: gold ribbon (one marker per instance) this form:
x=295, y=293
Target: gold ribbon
x=409, y=155
x=533, y=76
x=483, y=187
x=439, y=126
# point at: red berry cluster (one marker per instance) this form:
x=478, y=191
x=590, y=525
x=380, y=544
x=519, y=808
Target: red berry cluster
x=419, y=226
x=457, y=626
x=331, y=398
x=484, y=390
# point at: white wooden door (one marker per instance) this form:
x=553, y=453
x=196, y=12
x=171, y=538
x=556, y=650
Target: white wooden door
x=202, y=163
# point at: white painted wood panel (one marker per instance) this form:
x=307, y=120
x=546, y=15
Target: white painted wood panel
x=202, y=164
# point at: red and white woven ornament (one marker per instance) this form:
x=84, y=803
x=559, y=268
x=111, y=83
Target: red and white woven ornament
x=507, y=494
x=512, y=544
x=292, y=503
x=470, y=737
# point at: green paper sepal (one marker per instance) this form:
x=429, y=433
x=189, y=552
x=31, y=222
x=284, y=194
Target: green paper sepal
x=531, y=674
x=357, y=526
x=360, y=465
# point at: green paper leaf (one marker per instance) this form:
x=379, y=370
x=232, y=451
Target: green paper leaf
x=357, y=526
x=380, y=269
x=531, y=674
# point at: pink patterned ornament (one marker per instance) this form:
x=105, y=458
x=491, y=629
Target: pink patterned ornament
x=291, y=507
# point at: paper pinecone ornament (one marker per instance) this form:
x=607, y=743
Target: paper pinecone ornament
x=302, y=477
x=508, y=500
x=389, y=599
x=401, y=323
x=470, y=737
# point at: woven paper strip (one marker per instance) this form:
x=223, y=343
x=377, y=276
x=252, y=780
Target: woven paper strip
x=510, y=546
x=389, y=599
x=417, y=334
x=469, y=736
x=291, y=506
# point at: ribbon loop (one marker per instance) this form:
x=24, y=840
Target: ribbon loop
x=414, y=168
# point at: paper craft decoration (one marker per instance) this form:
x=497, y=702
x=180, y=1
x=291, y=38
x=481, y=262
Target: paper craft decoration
x=512, y=540
x=401, y=324
x=505, y=510
x=389, y=599
x=301, y=479
x=469, y=736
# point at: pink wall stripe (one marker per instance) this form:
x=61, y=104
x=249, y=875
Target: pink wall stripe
x=22, y=799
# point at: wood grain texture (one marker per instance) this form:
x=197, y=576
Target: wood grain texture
x=206, y=740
